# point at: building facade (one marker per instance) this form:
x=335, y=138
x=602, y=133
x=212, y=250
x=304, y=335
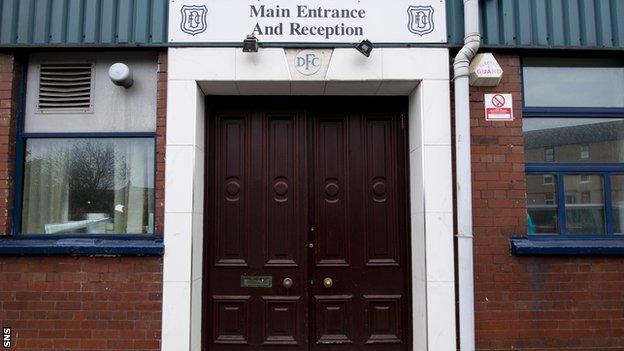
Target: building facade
x=170, y=182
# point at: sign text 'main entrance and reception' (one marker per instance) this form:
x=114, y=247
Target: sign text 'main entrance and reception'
x=302, y=11
x=308, y=21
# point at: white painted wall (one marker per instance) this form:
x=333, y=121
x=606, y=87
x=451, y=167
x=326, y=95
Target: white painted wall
x=420, y=73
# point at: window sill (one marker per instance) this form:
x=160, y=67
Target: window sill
x=524, y=246
x=32, y=246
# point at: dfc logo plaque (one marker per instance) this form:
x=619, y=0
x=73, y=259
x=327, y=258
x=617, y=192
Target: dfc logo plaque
x=420, y=20
x=193, y=19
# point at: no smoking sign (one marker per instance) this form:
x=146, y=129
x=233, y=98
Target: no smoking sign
x=498, y=107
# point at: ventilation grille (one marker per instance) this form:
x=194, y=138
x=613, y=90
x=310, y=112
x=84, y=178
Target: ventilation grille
x=65, y=86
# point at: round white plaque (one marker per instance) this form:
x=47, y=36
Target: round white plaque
x=308, y=62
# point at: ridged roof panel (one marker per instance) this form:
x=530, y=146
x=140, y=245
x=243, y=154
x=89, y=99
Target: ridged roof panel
x=587, y=24
x=83, y=22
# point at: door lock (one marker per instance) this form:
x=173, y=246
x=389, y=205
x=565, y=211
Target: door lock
x=287, y=283
x=328, y=282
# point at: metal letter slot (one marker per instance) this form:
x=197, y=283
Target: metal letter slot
x=257, y=281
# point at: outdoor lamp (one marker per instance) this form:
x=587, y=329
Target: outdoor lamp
x=120, y=74
x=365, y=47
x=250, y=44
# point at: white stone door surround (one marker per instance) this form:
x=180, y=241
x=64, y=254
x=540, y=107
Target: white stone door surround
x=420, y=73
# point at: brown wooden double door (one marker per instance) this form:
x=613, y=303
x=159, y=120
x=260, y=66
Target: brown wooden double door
x=311, y=190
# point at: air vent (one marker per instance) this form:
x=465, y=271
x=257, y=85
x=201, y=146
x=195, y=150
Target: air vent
x=65, y=86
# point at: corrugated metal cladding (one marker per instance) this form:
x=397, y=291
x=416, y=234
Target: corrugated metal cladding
x=590, y=24
x=83, y=22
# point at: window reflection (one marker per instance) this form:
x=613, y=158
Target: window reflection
x=574, y=139
x=88, y=186
x=541, y=204
x=584, y=204
x=617, y=201
x=573, y=86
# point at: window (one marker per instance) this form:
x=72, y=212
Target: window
x=584, y=152
x=81, y=185
x=584, y=216
x=86, y=149
x=541, y=206
x=573, y=130
x=570, y=199
x=549, y=154
x=564, y=137
x=617, y=203
x=550, y=198
x=573, y=83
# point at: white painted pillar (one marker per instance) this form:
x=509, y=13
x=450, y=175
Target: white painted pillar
x=431, y=199
x=184, y=196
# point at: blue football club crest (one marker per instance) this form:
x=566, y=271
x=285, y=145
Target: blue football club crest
x=420, y=19
x=193, y=19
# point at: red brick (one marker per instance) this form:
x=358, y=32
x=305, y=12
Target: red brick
x=58, y=311
x=9, y=85
x=161, y=124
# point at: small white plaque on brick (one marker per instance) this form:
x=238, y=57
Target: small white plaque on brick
x=498, y=107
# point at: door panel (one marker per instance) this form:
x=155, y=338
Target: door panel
x=383, y=318
x=283, y=205
x=306, y=189
x=380, y=195
x=359, y=232
x=282, y=319
x=257, y=230
x=331, y=202
x=231, y=235
x=231, y=315
x=334, y=319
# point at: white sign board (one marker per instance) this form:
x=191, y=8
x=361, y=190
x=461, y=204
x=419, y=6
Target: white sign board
x=307, y=21
x=498, y=107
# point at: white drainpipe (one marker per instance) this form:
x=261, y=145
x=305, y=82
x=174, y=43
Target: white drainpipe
x=461, y=65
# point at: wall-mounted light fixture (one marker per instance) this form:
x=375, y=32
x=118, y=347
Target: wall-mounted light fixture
x=250, y=44
x=121, y=75
x=365, y=47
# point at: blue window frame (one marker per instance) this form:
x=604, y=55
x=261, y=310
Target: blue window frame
x=69, y=179
x=574, y=158
x=64, y=242
x=559, y=172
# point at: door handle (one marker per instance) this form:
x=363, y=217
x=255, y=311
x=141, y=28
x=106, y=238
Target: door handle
x=287, y=283
x=328, y=282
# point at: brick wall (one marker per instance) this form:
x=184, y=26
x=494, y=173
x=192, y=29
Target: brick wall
x=530, y=303
x=9, y=86
x=82, y=303
x=161, y=141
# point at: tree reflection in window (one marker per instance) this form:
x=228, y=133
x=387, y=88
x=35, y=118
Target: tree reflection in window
x=88, y=186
